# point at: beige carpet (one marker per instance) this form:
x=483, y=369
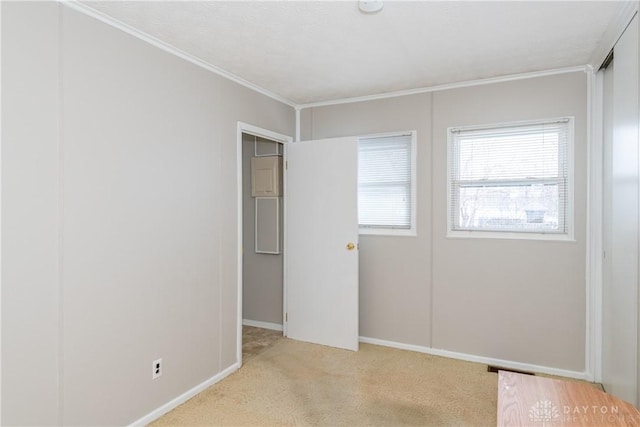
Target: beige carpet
x=257, y=340
x=296, y=383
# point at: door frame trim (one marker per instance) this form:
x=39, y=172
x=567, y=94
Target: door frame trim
x=594, y=253
x=283, y=139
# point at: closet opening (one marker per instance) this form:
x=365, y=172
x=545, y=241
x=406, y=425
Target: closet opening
x=262, y=270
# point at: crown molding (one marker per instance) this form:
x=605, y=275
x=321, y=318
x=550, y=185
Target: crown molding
x=87, y=10
x=109, y=20
x=491, y=80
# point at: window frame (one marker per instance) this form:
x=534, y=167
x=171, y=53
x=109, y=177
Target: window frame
x=569, y=219
x=391, y=231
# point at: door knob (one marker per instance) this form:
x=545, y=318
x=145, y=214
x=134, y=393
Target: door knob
x=350, y=246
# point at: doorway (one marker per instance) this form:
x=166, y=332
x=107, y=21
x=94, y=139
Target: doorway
x=262, y=267
x=318, y=241
x=261, y=274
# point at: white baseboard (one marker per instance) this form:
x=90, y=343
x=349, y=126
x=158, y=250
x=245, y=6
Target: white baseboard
x=263, y=325
x=479, y=359
x=157, y=413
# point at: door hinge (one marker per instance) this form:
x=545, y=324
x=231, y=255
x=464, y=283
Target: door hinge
x=286, y=317
x=286, y=164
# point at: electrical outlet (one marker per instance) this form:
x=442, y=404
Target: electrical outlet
x=157, y=369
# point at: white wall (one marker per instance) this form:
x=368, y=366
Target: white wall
x=119, y=219
x=517, y=300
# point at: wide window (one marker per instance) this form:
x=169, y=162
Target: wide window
x=511, y=179
x=386, y=184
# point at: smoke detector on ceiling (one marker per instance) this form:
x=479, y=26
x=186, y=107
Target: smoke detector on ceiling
x=370, y=6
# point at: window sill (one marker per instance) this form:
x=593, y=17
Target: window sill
x=387, y=232
x=506, y=235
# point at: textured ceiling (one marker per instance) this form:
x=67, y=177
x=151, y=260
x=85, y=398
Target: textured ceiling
x=312, y=51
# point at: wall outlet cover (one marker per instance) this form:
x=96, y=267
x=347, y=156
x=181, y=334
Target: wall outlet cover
x=157, y=369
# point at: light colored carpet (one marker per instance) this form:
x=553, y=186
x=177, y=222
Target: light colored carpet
x=257, y=340
x=296, y=383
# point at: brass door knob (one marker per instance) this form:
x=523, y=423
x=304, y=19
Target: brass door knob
x=350, y=246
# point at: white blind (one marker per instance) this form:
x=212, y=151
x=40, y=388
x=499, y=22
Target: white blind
x=384, y=182
x=510, y=178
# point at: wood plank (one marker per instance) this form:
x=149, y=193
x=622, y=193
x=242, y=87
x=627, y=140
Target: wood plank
x=525, y=400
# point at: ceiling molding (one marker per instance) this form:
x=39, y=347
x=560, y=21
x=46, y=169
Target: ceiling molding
x=613, y=33
x=86, y=10
x=625, y=16
x=448, y=86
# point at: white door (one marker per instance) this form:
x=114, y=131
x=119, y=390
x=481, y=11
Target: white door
x=322, y=242
x=621, y=213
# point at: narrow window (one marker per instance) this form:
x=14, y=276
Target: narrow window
x=386, y=187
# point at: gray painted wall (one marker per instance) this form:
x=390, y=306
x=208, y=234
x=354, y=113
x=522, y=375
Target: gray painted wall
x=262, y=274
x=118, y=219
x=517, y=300
x=395, y=272
x=30, y=190
x=119, y=224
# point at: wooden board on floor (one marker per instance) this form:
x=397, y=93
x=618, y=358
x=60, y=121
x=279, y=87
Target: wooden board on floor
x=525, y=400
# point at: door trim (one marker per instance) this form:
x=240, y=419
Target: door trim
x=594, y=262
x=283, y=139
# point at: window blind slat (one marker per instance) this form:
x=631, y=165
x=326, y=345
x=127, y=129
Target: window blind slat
x=511, y=178
x=384, y=182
